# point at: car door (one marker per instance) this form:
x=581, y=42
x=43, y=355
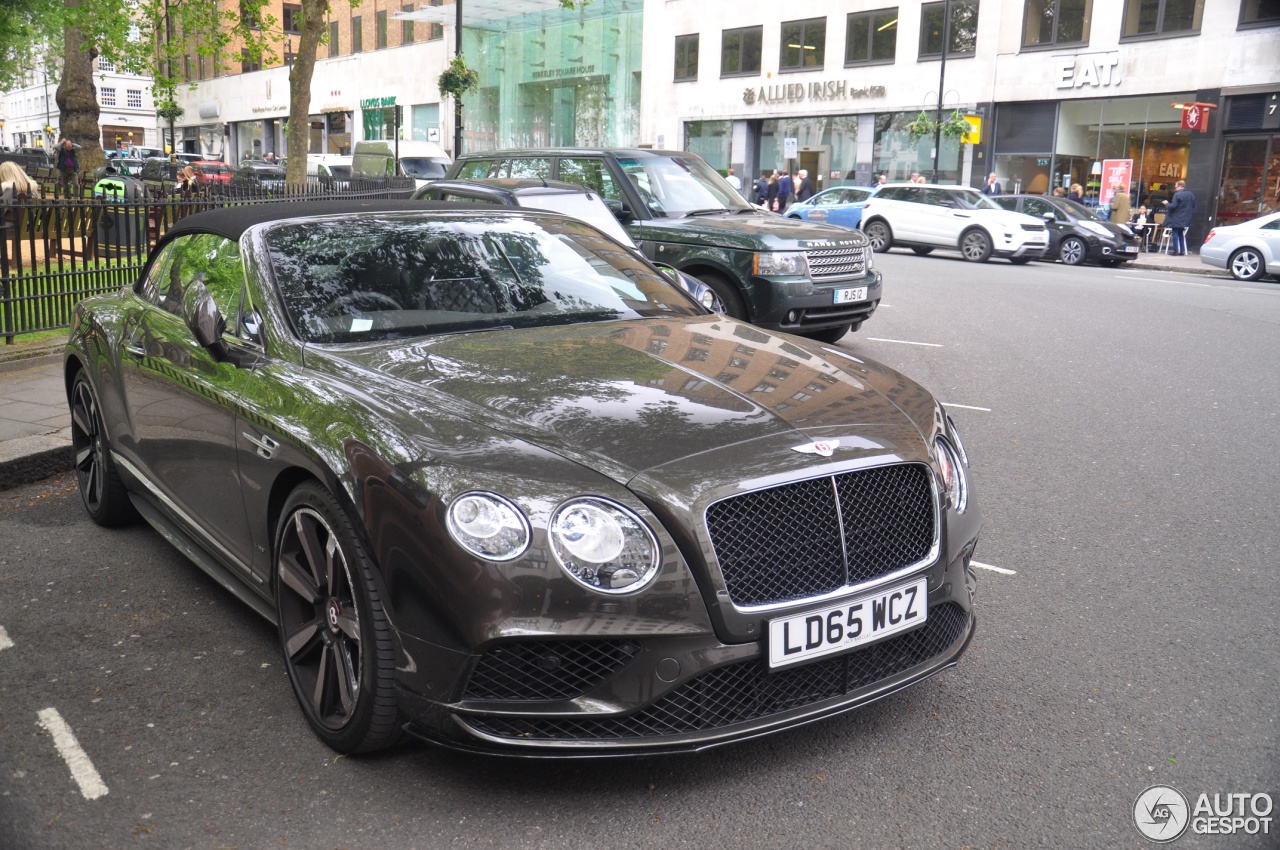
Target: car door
x=180, y=402
x=946, y=219
x=1057, y=226
x=847, y=212
x=906, y=212
x=1270, y=236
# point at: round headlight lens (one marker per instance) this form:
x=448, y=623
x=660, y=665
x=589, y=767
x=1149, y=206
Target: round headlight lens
x=953, y=479
x=603, y=546
x=954, y=434
x=488, y=525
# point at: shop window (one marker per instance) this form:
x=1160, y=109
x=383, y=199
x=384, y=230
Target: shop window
x=380, y=30
x=1258, y=13
x=1161, y=17
x=291, y=18
x=962, y=34
x=804, y=44
x=1049, y=22
x=687, y=57
x=406, y=37
x=871, y=37
x=357, y=34
x=740, y=51
x=335, y=49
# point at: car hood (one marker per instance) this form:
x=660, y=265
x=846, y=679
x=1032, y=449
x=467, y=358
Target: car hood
x=625, y=397
x=757, y=231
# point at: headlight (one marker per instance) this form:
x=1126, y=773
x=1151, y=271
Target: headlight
x=869, y=257
x=603, y=546
x=488, y=525
x=1094, y=227
x=781, y=263
x=954, y=434
x=953, y=478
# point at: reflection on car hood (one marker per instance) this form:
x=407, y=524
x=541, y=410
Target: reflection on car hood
x=623, y=397
x=754, y=232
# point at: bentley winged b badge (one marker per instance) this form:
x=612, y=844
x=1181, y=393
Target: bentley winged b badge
x=822, y=448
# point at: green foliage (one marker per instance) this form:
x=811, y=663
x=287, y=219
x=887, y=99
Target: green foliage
x=27, y=27
x=457, y=80
x=954, y=127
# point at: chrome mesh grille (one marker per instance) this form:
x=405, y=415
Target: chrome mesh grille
x=827, y=263
x=746, y=691
x=547, y=670
x=813, y=537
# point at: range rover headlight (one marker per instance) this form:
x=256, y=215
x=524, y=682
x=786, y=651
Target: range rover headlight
x=953, y=477
x=781, y=263
x=603, y=546
x=488, y=525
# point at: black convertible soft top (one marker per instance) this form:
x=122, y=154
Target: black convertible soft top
x=232, y=222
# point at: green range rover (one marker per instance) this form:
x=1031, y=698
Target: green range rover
x=782, y=274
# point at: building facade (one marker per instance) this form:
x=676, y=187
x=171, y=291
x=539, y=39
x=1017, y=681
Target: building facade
x=127, y=113
x=1063, y=88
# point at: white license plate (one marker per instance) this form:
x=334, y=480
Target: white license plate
x=842, y=627
x=1129, y=249
x=848, y=296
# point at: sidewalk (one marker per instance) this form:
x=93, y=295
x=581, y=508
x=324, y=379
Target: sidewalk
x=35, y=427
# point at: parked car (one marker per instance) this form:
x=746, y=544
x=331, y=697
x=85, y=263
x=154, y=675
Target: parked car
x=1248, y=250
x=212, y=172
x=923, y=217
x=841, y=206
x=159, y=175
x=123, y=166
x=329, y=168
x=189, y=158
x=257, y=174
x=564, y=198
x=1076, y=234
x=778, y=273
x=498, y=486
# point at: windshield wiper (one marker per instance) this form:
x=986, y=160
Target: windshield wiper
x=711, y=211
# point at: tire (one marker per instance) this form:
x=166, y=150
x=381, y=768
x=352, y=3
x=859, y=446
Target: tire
x=828, y=335
x=334, y=634
x=728, y=294
x=975, y=246
x=102, y=492
x=922, y=250
x=1020, y=261
x=1247, y=264
x=880, y=236
x=1072, y=251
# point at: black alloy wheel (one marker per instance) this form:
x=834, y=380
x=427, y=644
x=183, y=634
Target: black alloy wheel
x=1072, y=251
x=922, y=250
x=1247, y=264
x=880, y=236
x=975, y=246
x=337, y=643
x=101, y=490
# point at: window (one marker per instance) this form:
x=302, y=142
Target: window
x=380, y=30
x=292, y=18
x=106, y=66
x=186, y=69
x=249, y=62
x=687, y=57
x=740, y=51
x=133, y=98
x=335, y=49
x=107, y=94
x=963, y=32
x=437, y=30
x=591, y=173
x=406, y=37
x=1162, y=17
x=214, y=259
x=1259, y=12
x=1056, y=22
x=357, y=34
x=249, y=16
x=871, y=37
x=804, y=44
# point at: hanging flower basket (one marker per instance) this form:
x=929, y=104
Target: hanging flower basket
x=457, y=80
x=170, y=111
x=953, y=127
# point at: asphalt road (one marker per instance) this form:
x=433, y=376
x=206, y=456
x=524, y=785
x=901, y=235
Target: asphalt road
x=1124, y=457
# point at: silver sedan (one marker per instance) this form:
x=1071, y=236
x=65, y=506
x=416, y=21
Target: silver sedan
x=1248, y=250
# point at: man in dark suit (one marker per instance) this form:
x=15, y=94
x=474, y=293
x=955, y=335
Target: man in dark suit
x=1178, y=217
x=993, y=185
x=805, y=190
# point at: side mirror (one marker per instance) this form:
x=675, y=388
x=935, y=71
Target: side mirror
x=1050, y=217
x=620, y=211
x=204, y=319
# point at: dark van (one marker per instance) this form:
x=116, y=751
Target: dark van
x=782, y=274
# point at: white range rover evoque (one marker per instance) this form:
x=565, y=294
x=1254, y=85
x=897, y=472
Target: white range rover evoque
x=923, y=216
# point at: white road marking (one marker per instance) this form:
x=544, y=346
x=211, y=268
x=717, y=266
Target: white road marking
x=82, y=770
x=966, y=406
x=1000, y=570
x=1164, y=280
x=5, y=641
x=904, y=342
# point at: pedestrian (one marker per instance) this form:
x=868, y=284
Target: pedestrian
x=993, y=185
x=68, y=166
x=805, y=191
x=1076, y=194
x=270, y=156
x=1059, y=192
x=1177, y=217
x=762, y=188
x=915, y=177
x=883, y=179
x=188, y=182
x=1119, y=204
x=771, y=194
x=734, y=181
x=14, y=182
x=784, y=191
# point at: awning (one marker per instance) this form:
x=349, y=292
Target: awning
x=327, y=109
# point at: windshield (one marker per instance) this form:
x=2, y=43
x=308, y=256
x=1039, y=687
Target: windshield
x=424, y=167
x=395, y=276
x=673, y=187
x=973, y=200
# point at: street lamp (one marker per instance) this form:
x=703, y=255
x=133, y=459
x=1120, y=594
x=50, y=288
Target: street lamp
x=942, y=76
x=457, y=101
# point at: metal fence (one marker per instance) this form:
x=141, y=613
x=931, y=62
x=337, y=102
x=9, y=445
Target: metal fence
x=56, y=251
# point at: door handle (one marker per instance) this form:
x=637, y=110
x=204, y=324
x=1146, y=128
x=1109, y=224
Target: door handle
x=136, y=349
x=266, y=446
x=961, y=215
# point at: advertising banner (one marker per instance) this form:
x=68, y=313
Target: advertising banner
x=1115, y=171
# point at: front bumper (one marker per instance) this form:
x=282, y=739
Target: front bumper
x=774, y=302
x=1026, y=249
